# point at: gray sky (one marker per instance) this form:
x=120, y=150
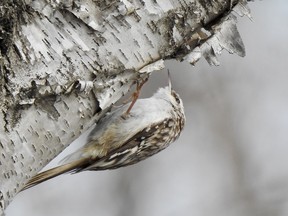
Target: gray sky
x=232, y=156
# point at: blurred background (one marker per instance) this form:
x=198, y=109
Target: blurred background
x=231, y=159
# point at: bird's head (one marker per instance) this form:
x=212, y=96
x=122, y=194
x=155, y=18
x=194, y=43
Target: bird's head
x=170, y=95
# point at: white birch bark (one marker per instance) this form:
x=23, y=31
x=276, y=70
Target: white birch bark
x=64, y=63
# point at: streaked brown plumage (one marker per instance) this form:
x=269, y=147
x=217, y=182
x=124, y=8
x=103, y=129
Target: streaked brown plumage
x=120, y=140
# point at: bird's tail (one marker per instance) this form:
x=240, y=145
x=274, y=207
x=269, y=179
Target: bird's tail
x=51, y=173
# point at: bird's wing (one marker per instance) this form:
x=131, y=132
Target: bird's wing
x=132, y=151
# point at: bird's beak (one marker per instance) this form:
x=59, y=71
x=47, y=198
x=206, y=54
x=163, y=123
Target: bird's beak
x=169, y=81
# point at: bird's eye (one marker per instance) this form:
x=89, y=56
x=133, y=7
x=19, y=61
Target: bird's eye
x=175, y=95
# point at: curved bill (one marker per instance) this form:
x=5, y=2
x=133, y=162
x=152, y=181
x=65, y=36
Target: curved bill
x=169, y=81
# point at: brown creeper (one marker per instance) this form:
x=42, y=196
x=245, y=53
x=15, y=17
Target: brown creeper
x=120, y=140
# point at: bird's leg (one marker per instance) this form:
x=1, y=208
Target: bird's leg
x=136, y=94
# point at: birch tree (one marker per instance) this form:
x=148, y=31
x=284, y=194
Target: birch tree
x=65, y=63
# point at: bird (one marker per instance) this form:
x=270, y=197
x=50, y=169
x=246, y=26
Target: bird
x=124, y=138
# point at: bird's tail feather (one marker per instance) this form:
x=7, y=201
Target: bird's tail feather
x=51, y=173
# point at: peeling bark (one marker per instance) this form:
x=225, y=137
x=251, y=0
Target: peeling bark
x=64, y=63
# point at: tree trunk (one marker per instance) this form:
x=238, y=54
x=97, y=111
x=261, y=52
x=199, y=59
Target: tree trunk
x=64, y=63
